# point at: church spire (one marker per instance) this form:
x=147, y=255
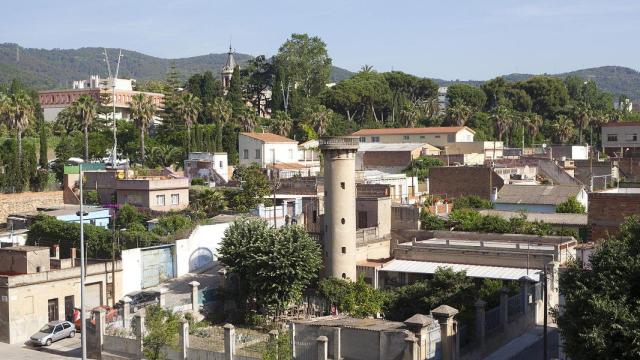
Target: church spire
x=227, y=69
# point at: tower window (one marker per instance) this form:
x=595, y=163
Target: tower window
x=342, y=221
x=344, y=276
x=342, y=184
x=344, y=250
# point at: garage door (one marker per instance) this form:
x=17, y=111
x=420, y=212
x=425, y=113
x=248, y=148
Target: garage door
x=157, y=265
x=93, y=295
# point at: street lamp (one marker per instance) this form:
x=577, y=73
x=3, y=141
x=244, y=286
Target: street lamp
x=83, y=320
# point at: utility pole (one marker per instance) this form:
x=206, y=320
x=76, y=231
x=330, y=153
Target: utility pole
x=545, y=351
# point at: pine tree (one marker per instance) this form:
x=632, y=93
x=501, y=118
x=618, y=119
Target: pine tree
x=42, y=159
x=234, y=95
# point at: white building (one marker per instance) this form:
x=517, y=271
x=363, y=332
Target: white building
x=266, y=149
x=436, y=135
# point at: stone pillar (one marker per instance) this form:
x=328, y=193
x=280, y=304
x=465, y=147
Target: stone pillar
x=73, y=257
x=444, y=314
x=229, y=342
x=411, y=346
x=195, y=305
x=183, y=341
x=504, y=307
x=480, y=320
x=56, y=251
x=223, y=278
x=126, y=312
x=162, y=299
x=98, y=336
x=323, y=349
x=552, y=283
x=138, y=326
x=273, y=340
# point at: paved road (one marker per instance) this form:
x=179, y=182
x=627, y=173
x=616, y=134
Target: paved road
x=528, y=346
x=534, y=352
x=63, y=349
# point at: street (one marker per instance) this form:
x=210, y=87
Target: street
x=63, y=349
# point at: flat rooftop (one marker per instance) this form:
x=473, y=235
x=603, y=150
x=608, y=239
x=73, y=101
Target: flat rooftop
x=554, y=219
x=24, y=248
x=485, y=244
x=621, y=191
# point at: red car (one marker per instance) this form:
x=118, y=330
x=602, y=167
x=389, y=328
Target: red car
x=110, y=315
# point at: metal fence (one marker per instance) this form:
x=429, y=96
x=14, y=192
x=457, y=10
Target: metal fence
x=305, y=350
x=251, y=344
x=492, y=319
x=465, y=335
x=514, y=305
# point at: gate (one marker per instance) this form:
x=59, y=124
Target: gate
x=157, y=265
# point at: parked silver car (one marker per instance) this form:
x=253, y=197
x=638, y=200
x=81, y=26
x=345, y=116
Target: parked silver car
x=54, y=331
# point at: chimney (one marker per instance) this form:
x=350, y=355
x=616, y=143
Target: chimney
x=494, y=194
x=56, y=251
x=73, y=256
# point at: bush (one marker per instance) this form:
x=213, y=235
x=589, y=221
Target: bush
x=430, y=221
x=197, y=182
x=472, y=202
x=91, y=197
x=358, y=299
x=129, y=215
x=571, y=206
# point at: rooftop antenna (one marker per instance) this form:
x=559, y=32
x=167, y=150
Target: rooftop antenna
x=113, y=77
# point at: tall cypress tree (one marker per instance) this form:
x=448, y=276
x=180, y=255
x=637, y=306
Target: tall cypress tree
x=218, y=138
x=43, y=160
x=234, y=94
x=230, y=142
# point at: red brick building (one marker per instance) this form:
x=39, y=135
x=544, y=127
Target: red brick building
x=458, y=181
x=608, y=209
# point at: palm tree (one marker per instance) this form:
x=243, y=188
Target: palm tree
x=431, y=107
x=209, y=201
x=581, y=114
x=142, y=111
x=17, y=110
x=503, y=120
x=563, y=128
x=532, y=124
x=85, y=110
x=366, y=68
x=247, y=120
x=280, y=123
x=220, y=110
x=458, y=114
x=411, y=115
x=320, y=119
x=163, y=155
x=187, y=108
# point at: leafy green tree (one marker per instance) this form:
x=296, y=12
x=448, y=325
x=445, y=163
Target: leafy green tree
x=463, y=94
x=162, y=327
x=209, y=201
x=572, y=205
x=255, y=186
x=472, y=202
x=429, y=221
x=47, y=231
x=17, y=111
x=172, y=223
x=420, y=167
x=358, y=298
x=305, y=63
x=234, y=93
x=548, y=94
x=163, y=156
x=275, y=265
x=128, y=215
x=259, y=73
x=281, y=123
x=142, y=112
x=601, y=315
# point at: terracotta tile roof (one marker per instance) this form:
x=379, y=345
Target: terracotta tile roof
x=404, y=131
x=269, y=137
x=623, y=123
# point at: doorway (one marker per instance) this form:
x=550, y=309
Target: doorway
x=52, y=307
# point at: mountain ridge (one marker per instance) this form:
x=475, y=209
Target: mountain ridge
x=57, y=68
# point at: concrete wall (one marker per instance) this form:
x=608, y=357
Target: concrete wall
x=534, y=208
x=132, y=269
x=148, y=198
x=463, y=180
x=24, y=262
x=25, y=308
x=622, y=141
x=203, y=237
x=27, y=202
x=441, y=139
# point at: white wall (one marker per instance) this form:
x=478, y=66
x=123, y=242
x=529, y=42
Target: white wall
x=464, y=135
x=284, y=152
x=131, y=270
x=221, y=165
x=204, y=236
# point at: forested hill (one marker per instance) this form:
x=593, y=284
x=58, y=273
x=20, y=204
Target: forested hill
x=616, y=80
x=57, y=68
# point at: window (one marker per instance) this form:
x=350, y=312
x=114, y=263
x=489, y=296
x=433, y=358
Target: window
x=406, y=137
x=175, y=199
x=66, y=325
x=57, y=329
x=315, y=216
x=363, y=139
x=631, y=137
x=245, y=153
x=290, y=153
x=375, y=139
x=612, y=137
x=342, y=184
x=421, y=136
x=342, y=221
x=221, y=165
x=437, y=136
x=257, y=153
x=160, y=200
x=344, y=250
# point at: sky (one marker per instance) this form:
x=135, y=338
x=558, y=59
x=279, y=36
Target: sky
x=456, y=39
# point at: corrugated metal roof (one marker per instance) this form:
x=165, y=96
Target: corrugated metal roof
x=421, y=130
x=475, y=271
x=536, y=194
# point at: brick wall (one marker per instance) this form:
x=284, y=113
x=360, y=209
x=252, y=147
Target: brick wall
x=608, y=210
x=629, y=168
x=27, y=202
x=386, y=158
x=584, y=170
x=463, y=180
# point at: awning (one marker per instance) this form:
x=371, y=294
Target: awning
x=476, y=271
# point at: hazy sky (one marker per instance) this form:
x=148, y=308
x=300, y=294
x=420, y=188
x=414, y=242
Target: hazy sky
x=456, y=39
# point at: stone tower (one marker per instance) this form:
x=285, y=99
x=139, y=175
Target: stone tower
x=227, y=70
x=340, y=205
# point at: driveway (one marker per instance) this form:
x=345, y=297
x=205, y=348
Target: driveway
x=63, y=349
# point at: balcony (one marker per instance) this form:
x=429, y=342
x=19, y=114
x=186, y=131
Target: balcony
x=339, y=143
